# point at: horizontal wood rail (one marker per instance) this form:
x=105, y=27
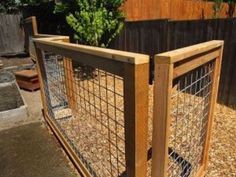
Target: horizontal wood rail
x=188, y=52
x=125, y=57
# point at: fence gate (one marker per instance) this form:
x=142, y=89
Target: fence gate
x=185, y=91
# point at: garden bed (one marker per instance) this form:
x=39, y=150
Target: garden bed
x=12, y=105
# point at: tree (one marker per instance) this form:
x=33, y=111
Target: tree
x=217, y=8
x=94, y=22
x=8, y=6
x=232, y=6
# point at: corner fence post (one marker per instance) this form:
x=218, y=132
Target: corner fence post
x=41, y=74
x=213, y=100
x=136, y=118
x=69, y=81
x=161, y=119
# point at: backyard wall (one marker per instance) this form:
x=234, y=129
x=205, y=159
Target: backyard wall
x=156, y=36
x=173, y=9
x=11, y=34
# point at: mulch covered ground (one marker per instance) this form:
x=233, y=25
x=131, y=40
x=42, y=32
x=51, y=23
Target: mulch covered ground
x=95, y=134
x=223, y=146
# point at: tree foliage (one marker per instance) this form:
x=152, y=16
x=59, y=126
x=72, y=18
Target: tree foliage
x=8, y=6
x=217, y=7
x=32, y=2
x=94, y=22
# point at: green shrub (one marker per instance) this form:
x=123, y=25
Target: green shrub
x=94, y=22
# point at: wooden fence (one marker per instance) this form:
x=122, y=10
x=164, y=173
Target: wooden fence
x=95, y=100
x=172, y=9
x=101, y=116
x=109, y=103
x=185, y=94
x=11, y=34
x=156, y=36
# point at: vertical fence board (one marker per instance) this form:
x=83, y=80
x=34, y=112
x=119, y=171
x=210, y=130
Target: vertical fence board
x=213, y=98
x=136, y=119
x=156, y=36
x=161, y=119
x=11, y=34
x=174, y=9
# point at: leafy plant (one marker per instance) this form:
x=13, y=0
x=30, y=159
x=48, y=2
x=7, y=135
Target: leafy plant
x=232, y=7
x=8, y=6
x=217, y=8
x=32, y=2
x=94, y=22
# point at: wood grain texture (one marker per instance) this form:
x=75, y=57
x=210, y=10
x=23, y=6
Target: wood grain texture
x=11, y=34
x=187, y=52
x=165, y=73
x=212, y=103
x=172, y=9
x=115, y=55
x=161, y=118
x=157, y=36
x=136, y=118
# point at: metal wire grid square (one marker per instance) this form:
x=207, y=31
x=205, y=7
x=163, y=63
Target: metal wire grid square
x=94, y=126
x=55, y=80
x=189, y=116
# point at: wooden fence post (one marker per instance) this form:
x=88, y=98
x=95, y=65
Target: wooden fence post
x=213, y=100
x=69, y=81
x=136, y=118
x=161, y=118
x=41, y=75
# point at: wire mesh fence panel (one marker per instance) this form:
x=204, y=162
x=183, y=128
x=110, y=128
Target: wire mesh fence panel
x=189, y=115
x=94, y=125
x=185, y=93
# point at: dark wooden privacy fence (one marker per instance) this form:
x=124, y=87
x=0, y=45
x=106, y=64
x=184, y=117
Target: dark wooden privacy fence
x=156, y=36
x=11, y=34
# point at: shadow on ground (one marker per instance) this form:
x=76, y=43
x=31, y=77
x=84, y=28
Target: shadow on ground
x=30, y=151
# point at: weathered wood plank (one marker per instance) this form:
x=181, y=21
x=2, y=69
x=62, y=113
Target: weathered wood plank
x=11, y=34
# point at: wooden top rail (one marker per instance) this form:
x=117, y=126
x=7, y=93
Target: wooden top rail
x=56, y=44
x=189, y=58
x=188, y=52
x=33, y=22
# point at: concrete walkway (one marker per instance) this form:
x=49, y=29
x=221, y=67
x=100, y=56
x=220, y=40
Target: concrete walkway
x=30, y=151
x=27, y=148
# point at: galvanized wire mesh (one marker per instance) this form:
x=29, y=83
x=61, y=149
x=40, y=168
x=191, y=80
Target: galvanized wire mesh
x=88, y=107
x=189, y=116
